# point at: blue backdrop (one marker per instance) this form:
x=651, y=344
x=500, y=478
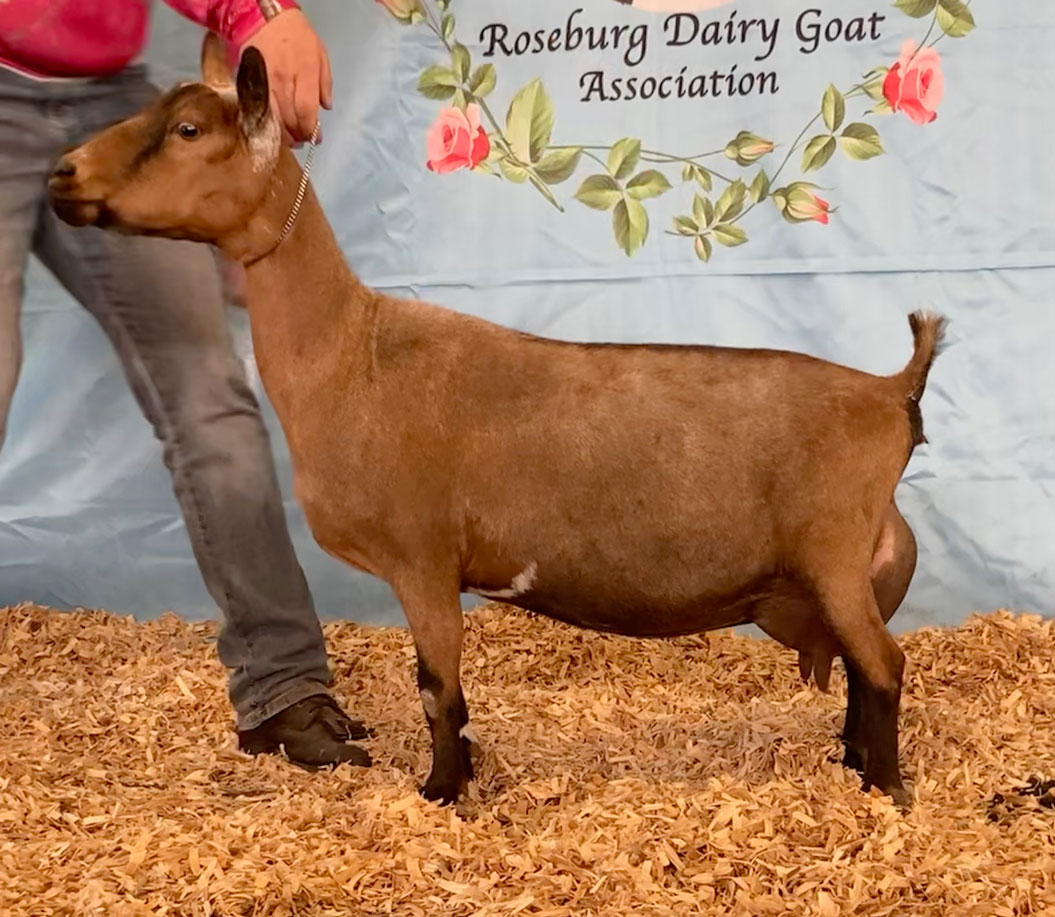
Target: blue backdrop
x=955, y=215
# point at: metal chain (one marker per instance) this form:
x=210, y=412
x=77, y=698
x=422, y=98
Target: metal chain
x=302, y=190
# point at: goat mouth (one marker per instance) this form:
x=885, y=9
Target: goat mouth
x=76, y=211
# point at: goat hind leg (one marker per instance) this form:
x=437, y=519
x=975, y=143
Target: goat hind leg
x=853, y=745
x=893, y=563
x=435, y=618
x=852, y=615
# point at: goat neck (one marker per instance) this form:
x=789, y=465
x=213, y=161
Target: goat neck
x=306, y=306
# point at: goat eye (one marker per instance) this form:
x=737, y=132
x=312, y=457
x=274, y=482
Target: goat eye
x=187, y=130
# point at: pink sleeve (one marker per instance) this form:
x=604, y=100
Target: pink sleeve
x=235, y=20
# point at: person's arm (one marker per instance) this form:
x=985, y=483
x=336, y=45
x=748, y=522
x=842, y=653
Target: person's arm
x=298, y=67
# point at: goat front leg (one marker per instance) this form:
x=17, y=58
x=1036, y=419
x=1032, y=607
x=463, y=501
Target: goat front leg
x=435, y=617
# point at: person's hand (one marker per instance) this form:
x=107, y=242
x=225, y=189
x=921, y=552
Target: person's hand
x=298, y=70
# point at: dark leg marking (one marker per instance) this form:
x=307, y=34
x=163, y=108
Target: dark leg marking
x=447, y=715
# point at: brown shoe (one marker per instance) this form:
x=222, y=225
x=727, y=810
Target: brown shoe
x=314, y=732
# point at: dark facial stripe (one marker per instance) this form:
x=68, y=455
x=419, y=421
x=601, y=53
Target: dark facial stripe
x=155, y=141
x=158, y=123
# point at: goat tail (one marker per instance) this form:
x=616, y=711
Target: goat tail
x=928, y=330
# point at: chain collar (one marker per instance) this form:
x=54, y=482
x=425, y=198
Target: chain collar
x=297, y=201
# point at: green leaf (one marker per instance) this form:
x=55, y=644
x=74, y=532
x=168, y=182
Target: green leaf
x=731, y=202
x=558, y=165
x=702, y=209
x=699, y=210
x=860, y=141
x=759, y=187
x=514, y=172
x=954, y=18
x=703, y=248
x=818, y=151
x=448, y=25
x=545, y=192
x=482, y=82
x=686, y=226
x=601, y=192
x=649, y=183
x=882, y=108
x=704, y=178
x=623, y=157
x=459, y=100
x=630, y=224
x=729, y=235
x=437, y=83
x=461, y=62
x=873, y=84
x=833, y=108
x=917, y=9
x=529, y=122
x=688, y=172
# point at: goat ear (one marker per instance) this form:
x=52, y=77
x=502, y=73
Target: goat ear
x=214, y=68
x=254, y=96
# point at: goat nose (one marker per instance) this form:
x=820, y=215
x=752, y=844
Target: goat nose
x=65, y=169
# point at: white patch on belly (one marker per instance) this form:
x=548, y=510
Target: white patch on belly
x=522, y=582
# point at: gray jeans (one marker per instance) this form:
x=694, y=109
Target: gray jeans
x=160, y=302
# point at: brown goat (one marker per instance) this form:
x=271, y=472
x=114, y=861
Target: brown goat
x=645, y=490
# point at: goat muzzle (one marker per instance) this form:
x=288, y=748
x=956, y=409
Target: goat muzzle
x=75, y=211
x=69, y=206
x=65, y=169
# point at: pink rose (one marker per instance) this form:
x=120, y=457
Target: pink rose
x=804, y=206
x=456, y=140
x=798, y=204
x=914, y=84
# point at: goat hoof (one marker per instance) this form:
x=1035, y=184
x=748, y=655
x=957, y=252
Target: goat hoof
x=897, y=793
x=444, y=792
x=853, y=760
x=900, y=797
